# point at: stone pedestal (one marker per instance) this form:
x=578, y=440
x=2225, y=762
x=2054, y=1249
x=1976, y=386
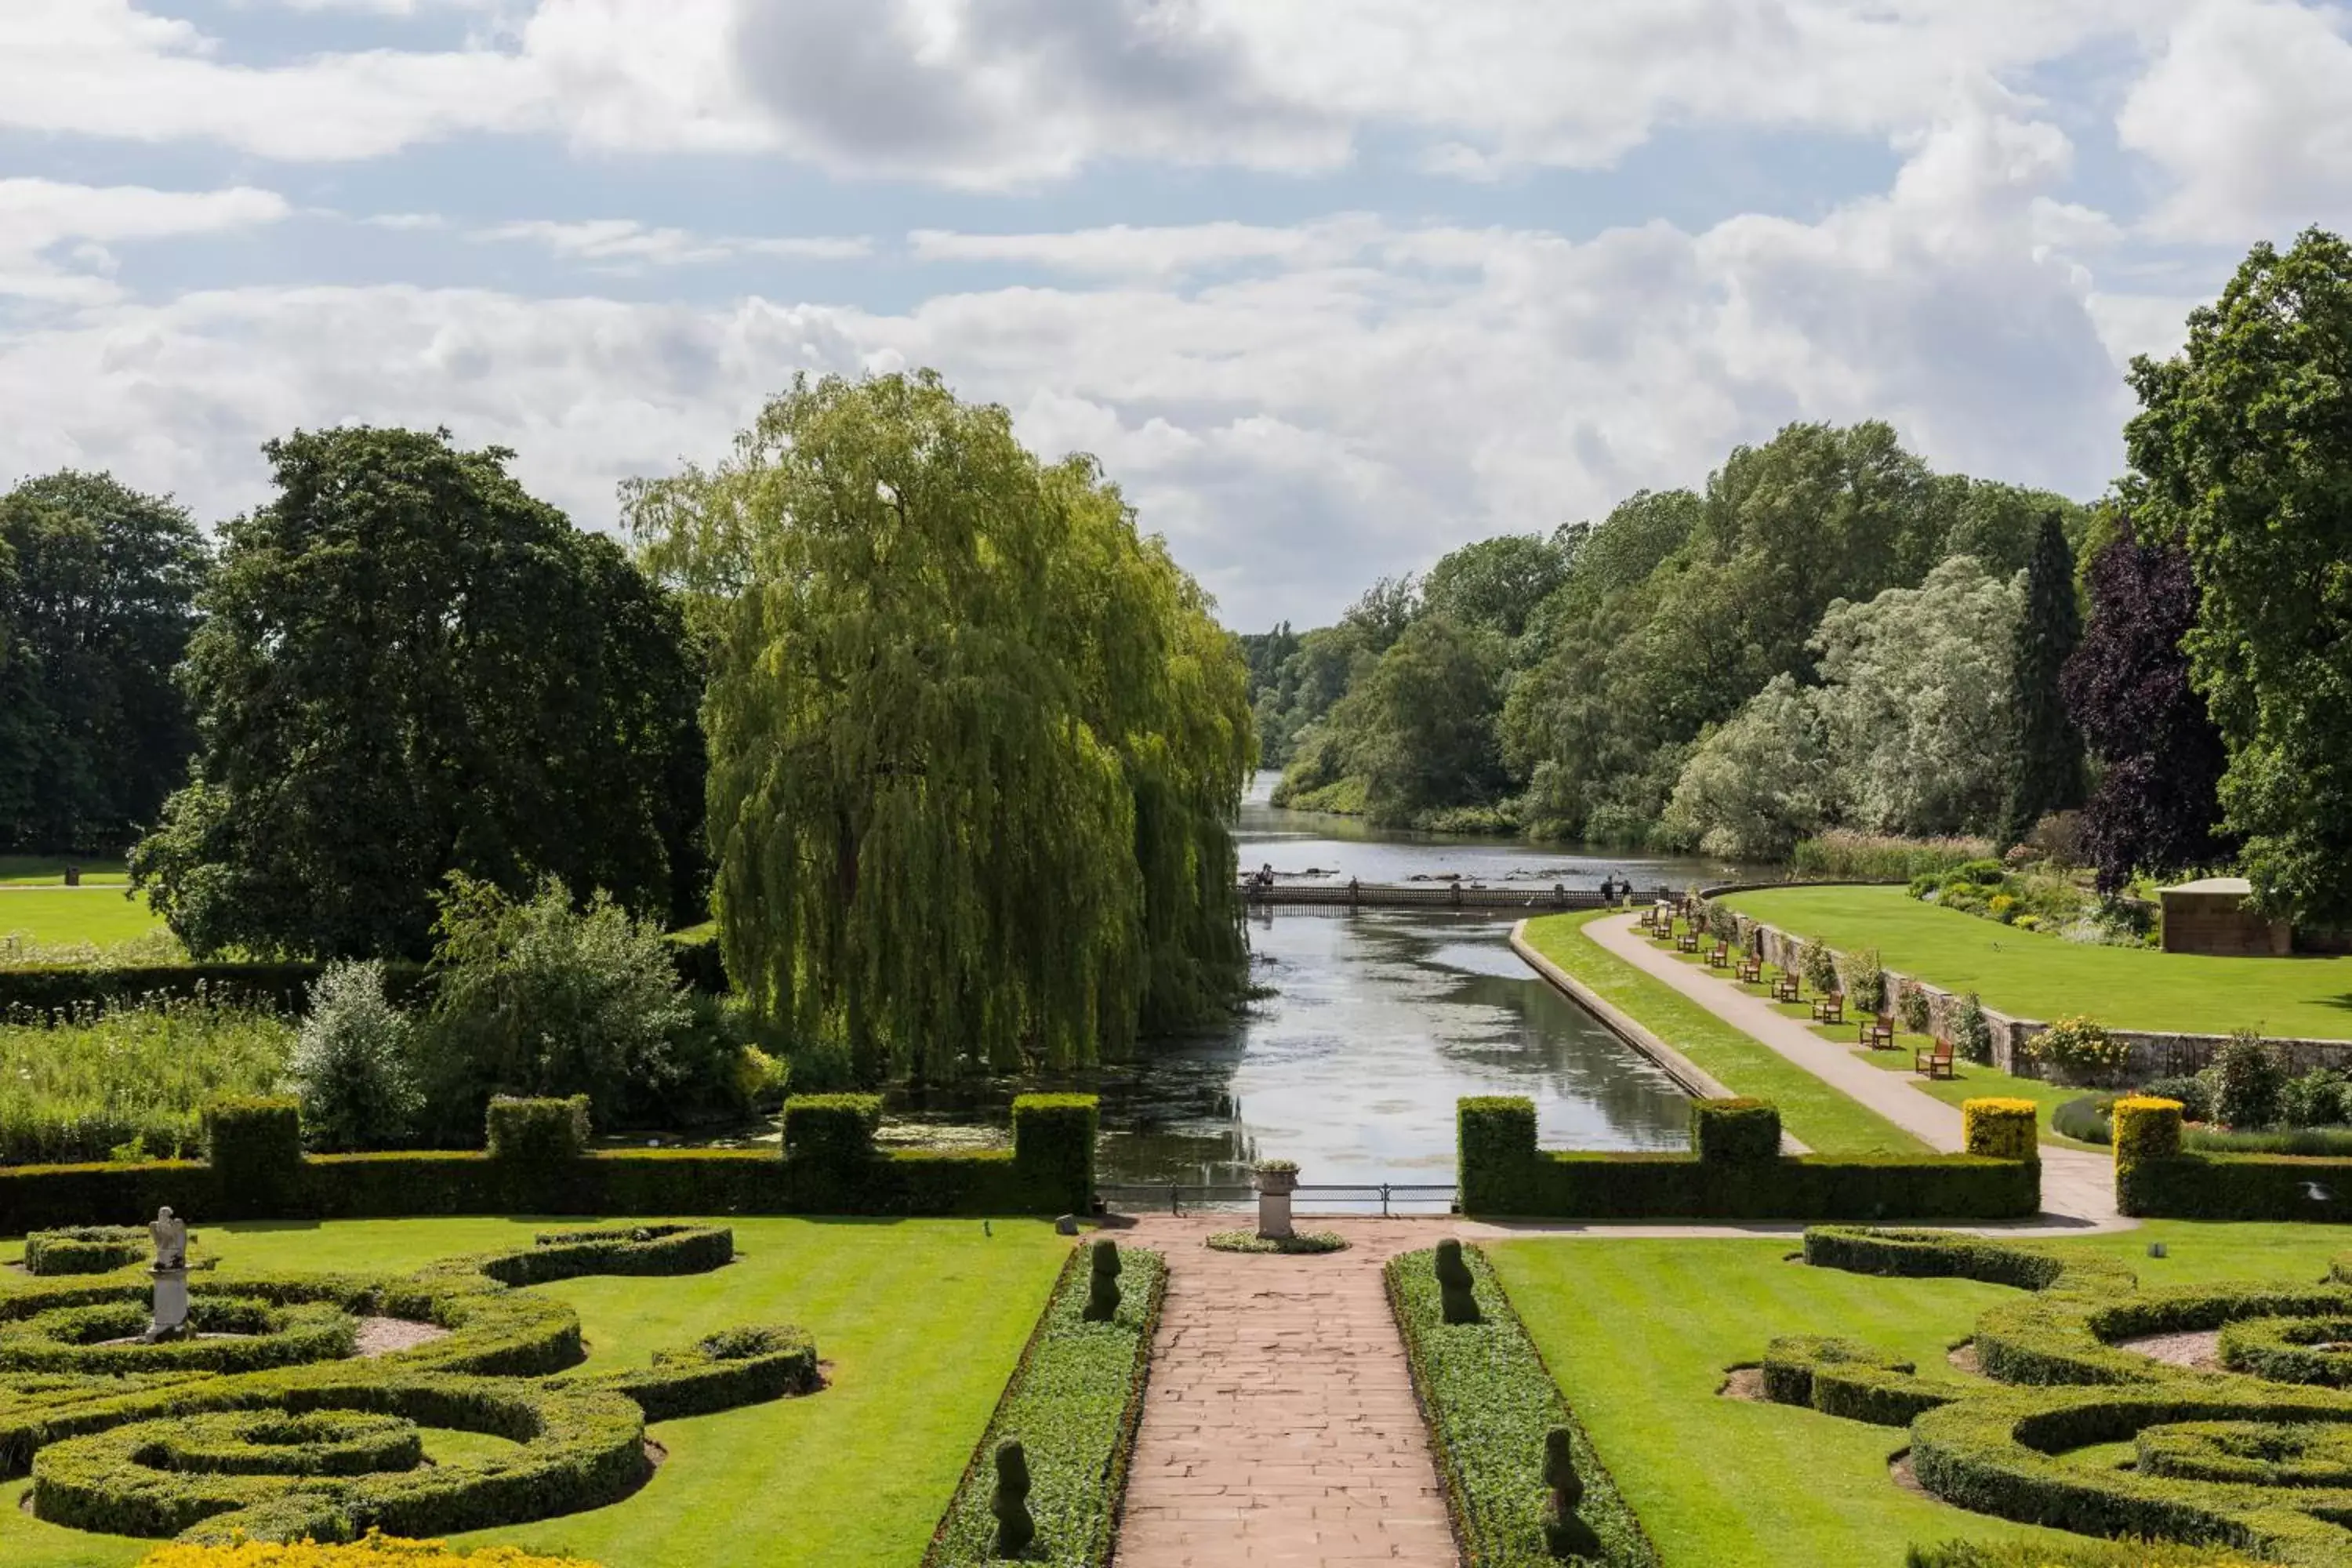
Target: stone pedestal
x=169, y=1319
x=1274, y=1190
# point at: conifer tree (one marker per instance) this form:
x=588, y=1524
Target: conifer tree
x=2049, y=766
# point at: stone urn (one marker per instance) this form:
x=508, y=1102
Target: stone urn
x=1277, y=1180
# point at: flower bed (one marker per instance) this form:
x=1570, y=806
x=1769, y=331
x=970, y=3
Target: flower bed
x=1490, y=1404
x=1072, y=1404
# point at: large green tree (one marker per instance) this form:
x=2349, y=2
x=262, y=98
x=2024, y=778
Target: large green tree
x=96, y=603
x=411, y=666
x=2048, y=763
x=975, y=742
x=2246, y=436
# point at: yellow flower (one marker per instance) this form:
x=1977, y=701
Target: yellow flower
x=376, y=1551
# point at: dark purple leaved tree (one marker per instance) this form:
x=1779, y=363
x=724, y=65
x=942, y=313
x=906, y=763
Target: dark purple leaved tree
x=2127, y=689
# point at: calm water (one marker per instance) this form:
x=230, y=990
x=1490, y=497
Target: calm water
x=1381, y=1020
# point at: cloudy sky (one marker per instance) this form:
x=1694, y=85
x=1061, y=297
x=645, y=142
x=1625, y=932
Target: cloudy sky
x=1329, y=286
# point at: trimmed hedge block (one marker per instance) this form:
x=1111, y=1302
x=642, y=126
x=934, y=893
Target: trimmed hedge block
x=537, y=1131
x=255, y=1145
x=2146, y=1129
x=1494, y=1140
x=85, y=1250
x=2000, y=1129
x=1503, y=1173
x=1735, y=1132
x=1054, y=1148
x=831, y=1129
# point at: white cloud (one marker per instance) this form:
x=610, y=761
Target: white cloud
x=1125, y=251
x=39, y=217
x=104, y=67
x=623, y=243
x=1356, y=398
x=2249, y=110
x=995, y=92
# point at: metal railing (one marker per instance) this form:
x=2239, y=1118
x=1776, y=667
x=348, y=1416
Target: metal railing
x=1176, y=1196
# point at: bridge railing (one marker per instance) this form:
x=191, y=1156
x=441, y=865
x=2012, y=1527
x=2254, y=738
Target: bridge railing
x=1388, y=1199
x=1443, y=895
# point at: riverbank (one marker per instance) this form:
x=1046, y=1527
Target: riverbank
x=1823, y=1118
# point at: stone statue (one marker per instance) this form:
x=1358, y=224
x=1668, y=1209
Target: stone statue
x=171, y=1235
x=169, y=1318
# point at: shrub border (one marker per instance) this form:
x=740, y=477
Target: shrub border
x=1410, y=1282
x=978, y=1483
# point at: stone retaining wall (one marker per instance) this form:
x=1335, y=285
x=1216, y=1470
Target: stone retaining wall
x=2154, y=1054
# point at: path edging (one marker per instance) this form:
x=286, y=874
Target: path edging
x=1694, y=1080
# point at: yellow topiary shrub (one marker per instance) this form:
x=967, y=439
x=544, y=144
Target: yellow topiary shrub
x=2146, y=1128
x=376, y=1552
x=1999, y=1129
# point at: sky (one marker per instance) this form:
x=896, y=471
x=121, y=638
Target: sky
x=1328, y=285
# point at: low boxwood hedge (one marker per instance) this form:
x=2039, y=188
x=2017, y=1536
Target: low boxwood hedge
x=2070, y=1554
x=1842, y=1378
x=1501, y=1173
x=270, y=1443
x=719, y=1371
x=2192, y=1186
x=1490, y=1403
x=233, y=1333
x=85, y=1250
x=2223, y=1459
x=2250, y=1452
x=1073, y=1405
x=575, y=1448
x=325, y=1447
x=2290, y=1350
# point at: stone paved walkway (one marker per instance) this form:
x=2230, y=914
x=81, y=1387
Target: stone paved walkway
x=1280, y=1425
x=2075, y=1183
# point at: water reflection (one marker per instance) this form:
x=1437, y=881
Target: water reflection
x=1379, y=1021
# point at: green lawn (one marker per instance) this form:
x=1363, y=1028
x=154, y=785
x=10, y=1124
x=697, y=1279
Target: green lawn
x=1819, y=1116
x=49, y=871
x=61, y=917
x=1638, y=1334
x=1968, y=1081
x=920, y=1323
x=2028, y=975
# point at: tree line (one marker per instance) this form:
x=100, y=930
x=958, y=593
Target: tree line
x=1830, y=634
x=948, y=746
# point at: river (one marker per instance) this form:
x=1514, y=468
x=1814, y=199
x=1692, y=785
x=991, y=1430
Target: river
x=1379, y=1020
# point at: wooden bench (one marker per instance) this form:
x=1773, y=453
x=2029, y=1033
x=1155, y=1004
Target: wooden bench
x=1877, y=1033
x=1719, y=956
x=1935, y=1061
x=1830, y=1008
x=1687, y=942
x=1752, y=970
x=1785, y=988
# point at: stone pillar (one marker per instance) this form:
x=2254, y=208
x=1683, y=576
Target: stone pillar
x=1277, y=1180
x=169, y=1319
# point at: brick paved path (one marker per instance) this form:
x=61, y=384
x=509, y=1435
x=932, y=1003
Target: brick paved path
x=1280, y=1425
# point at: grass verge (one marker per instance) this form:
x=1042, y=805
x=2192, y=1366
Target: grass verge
x=1073, y=1403
x=2031, y=975
x=1820, y=1117
x=1489, y=1403
x=920, y=1323
x=50, y=917
x=49, y=870
x=1640, y=1336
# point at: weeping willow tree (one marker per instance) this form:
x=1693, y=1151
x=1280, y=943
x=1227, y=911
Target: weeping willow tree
x=975, y=742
